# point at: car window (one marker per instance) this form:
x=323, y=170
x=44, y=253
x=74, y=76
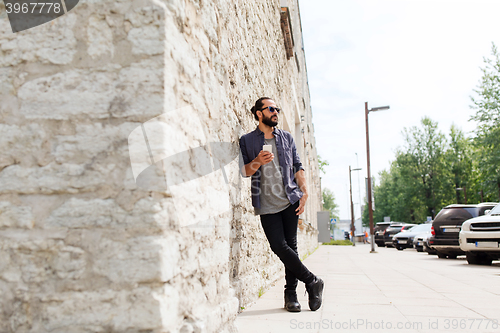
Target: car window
x=382, y=226
x=495, y=210
x=407, y=227
x=421, y=227
x=451, y=214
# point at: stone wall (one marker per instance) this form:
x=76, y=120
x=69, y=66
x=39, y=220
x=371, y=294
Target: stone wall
x=87, y=244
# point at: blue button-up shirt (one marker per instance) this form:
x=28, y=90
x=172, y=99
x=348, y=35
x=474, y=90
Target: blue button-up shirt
x=250, y=146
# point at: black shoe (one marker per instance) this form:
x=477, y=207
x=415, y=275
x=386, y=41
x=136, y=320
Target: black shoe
x=315, y=291
x=291, y=301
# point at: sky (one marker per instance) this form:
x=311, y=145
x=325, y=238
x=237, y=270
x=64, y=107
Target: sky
x=422, y=58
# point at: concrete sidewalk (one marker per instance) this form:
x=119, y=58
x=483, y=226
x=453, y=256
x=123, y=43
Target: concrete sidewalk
x=391, y=290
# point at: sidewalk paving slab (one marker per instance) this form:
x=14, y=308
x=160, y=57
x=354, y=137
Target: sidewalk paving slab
x=406, y=291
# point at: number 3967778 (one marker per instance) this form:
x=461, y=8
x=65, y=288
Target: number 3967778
x=33, y=8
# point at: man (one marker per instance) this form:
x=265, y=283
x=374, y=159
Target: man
x=279, y=194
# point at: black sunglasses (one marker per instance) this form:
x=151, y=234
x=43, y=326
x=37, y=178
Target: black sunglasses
x=272, y=109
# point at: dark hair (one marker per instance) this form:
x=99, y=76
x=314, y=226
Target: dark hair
x=258, y=105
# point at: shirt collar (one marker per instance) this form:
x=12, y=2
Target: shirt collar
x=275, y=131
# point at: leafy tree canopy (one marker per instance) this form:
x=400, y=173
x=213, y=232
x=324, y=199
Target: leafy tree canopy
x=330, y=204
x=487, y=140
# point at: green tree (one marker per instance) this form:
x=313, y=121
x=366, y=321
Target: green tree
x=423, y=170
x=365, y=219
x=459, y=158
x=322, y=164
x=420, y=181
x=487, y=139
x=397, y=196
x=329, y=203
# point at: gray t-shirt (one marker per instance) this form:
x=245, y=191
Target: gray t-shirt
x=273, y=197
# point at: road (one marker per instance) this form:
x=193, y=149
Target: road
x=387, y=291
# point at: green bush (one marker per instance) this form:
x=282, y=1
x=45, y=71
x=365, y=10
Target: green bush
x=339, y=242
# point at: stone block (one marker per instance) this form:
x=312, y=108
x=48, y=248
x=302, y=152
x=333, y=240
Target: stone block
x=118, y=311
x=112, y=91
x=52, y=43
x=99, y=38
x=54, y=178
x=70, y=263
x=147, y=34
x=23, y=145
x=149, y=259
x=6, y=81
x=37, y=261
x=92, y=140
x=106, y=213
x=12, y=216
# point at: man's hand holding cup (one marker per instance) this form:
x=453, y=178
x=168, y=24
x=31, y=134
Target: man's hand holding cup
x=265, y=155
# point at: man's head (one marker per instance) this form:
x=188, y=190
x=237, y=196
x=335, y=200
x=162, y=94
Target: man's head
x=266, y=111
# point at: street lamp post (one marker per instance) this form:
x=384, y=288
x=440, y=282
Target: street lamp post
x=352, y=205
x=359, y=189
x=370, y=207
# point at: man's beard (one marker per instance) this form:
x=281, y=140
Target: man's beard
x=269, y=122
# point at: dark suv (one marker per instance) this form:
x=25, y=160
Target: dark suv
x=447, y=224
x=378, y=231
x=394, y=229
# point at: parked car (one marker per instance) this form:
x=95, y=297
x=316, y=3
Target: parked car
x=480, y=238
x=447, y=224
x=394, y=229
x=426, y=247
x=378, y=231
x=418, y=240
x=404, y=239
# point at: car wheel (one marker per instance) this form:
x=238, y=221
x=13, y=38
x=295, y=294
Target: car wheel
x=452, y=256
x=441, y=255
x=486, y=261
x=430, y=251
x=472, y=258
x=478, y=259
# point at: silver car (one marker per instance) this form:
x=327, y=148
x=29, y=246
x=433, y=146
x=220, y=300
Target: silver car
x=418, y=241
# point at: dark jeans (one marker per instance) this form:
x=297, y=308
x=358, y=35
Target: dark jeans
x=281, y=232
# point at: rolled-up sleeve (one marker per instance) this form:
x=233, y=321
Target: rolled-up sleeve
x=297, y=165
x=243, y=159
